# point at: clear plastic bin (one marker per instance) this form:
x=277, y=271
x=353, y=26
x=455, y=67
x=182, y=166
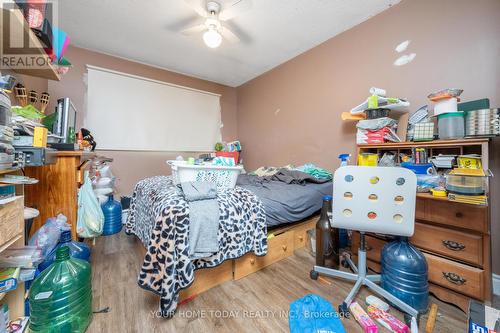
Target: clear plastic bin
x=451, y=125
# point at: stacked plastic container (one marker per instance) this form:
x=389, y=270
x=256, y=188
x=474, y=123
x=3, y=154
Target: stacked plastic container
x=112, y=210
x=451, y=123
x=61, y=297
x=103, y=180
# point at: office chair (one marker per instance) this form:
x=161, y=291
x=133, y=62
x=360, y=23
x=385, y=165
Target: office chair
x=372, y=199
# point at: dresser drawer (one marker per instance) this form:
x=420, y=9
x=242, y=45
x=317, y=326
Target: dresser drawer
x=464, y=279
x=11, y=220
x=278, y=248
x=459, y=245
x=455, y=214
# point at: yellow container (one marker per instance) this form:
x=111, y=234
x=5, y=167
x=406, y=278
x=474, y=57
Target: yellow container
x=469, y=162
x=40, y=137
x=367, y=159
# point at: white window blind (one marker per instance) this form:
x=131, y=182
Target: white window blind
x=127, y=112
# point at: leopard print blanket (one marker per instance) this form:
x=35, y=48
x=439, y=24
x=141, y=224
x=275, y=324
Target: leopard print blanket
x=159, y=217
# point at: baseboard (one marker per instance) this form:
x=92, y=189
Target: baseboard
x=496, y=284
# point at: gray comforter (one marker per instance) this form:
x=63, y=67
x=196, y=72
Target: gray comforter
x=286, y=203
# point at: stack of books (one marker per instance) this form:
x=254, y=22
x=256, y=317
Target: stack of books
x=8, y=278
x=469, y=199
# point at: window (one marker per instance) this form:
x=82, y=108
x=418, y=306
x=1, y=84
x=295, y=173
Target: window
x=127, y=112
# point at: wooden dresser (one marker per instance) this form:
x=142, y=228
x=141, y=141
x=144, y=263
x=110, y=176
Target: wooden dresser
x=57, y=190
x=454, y=237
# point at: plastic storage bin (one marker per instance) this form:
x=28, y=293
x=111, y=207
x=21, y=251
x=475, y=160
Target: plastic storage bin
x=112, y=211
x=367, y=159
x=451, y=125
x=61, y=297
x=223, y=176
x=76, y=249
x=405, y=273
x=469, y=185
x=419, y=169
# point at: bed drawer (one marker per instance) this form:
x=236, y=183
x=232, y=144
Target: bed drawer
x=11, y=220
x=456, y=276
x=455, y=214
x=300, y=234
x=451, y=243
x=278, y=248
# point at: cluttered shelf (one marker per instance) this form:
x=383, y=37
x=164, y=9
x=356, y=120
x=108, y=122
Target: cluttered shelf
x=10, y=242
x=18, y=30
x=448, y=145
x=2, y=172
x=429, y=144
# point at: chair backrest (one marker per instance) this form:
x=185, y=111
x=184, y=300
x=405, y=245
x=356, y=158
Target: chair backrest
x=374, y=199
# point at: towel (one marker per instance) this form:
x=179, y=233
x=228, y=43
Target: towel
x=203, y=218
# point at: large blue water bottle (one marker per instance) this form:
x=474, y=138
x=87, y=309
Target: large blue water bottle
x=405, y=273
x=112, y=217
x=77, y=250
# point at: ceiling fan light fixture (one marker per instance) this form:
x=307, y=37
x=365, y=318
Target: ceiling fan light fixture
x=212, y=38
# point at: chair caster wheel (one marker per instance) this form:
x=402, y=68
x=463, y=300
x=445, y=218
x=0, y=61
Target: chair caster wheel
x=344, y=310
x=313, y=274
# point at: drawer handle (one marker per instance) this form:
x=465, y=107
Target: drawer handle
x=454, y=246
x=301, y=238
x=252, y=261
x=454, y=278
x=284, y=247
x=459, y=215
x=368, y=247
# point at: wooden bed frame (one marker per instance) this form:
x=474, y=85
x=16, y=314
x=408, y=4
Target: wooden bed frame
x=281, y=244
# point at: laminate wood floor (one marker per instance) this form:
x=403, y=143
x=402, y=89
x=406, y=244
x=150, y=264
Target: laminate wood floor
x=256, y=303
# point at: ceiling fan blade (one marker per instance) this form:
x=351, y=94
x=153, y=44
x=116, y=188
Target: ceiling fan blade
x=197, y=6
x=229, y=35
x=235, y=9
x=195, y=29
x=184, y=23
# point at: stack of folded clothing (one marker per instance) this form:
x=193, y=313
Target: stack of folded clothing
x=378, y=130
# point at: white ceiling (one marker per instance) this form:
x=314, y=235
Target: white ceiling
x=272, y=32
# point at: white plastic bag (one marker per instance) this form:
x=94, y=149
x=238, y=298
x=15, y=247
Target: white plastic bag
x=47, y=237
x=90, y=216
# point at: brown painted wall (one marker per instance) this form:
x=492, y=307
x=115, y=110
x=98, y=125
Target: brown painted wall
x=291, y=114
x=131, y=166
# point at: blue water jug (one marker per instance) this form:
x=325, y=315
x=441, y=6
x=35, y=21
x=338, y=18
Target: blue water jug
x=405, y=273
x=112, y=217
x=77, y=250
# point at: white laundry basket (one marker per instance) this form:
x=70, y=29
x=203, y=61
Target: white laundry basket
x=223, y=176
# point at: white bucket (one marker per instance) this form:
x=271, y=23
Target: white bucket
x=445, y=106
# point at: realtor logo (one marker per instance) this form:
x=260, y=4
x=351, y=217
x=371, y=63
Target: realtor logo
x=26, y=34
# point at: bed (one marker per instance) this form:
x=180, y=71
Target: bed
x=286, y=203
x=159, y=217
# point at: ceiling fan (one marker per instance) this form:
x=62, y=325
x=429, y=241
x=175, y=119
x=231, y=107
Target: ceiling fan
x=214, y=14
